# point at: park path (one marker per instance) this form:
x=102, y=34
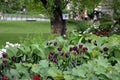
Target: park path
x=25, y=18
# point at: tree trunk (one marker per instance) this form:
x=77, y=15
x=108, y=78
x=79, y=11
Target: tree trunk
x=58, y=25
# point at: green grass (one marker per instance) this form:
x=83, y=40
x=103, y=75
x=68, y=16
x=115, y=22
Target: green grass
x=24, y=27
x=14, y=31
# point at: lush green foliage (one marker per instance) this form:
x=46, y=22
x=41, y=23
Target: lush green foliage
x=10, y=6
x=77, y=57
x=115, y=6
x=74, y=57
x=15, y=6
x=84, y=25
x=79, y=5
x=106, y=21
x=33, y=7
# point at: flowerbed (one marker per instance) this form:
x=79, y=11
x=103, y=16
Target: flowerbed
x=77, y=57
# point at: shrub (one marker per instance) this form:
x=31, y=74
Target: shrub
x=76, y=57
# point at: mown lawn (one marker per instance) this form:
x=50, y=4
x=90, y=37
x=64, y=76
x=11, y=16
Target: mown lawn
x=14, y=31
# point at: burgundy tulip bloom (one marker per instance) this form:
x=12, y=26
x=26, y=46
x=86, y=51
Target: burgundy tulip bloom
x=55, y=60
x=75, y=52
x=4, y=54
x=105, y=49
x=55, y=43
x=5, y=61
x=51, y=42
x=61, y=53
x=36, y=77
x=71, y=48
x=67, y=55
x=84, y=50
x=52, y=53
x=80, y=46
x=4, y=78
x=3, y=65
x=75, y=48
x=50, y=57
x=59, y=49
x=13, y=59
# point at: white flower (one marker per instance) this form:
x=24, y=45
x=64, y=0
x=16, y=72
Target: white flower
x=17, y=45
x=7, y=46
x=88, y=29
x=12, y=45
x=7, y=43
x=1, y=54
x=64, y=35
x=3, y=50
x=90, y=32
x=84, y=32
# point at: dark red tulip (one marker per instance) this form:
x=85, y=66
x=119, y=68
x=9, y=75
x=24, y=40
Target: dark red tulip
x=55, y=60
x=84, y=50
x=51, y=43
x=59, y=49
x=4, y=55
x=67, y=55
x=80, y=46
x=4, y=78
x=36, y=77
x=75, y=48
x=5, y=61
x=50, y=57
x=71, y=48
x=13, y=59
x=52, y=53
x=55, y=43
x=61, y=53
x=75, y=52
x=3, y=65
x=105, y=49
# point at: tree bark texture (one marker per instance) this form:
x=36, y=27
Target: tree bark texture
x=57, y=22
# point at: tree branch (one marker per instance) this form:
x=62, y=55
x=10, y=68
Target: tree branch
x=44, y=2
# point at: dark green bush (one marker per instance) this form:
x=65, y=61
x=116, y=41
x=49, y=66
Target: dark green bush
x=106, y=21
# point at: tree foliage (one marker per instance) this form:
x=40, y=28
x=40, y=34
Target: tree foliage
x=35, y=5
x=113, y=5
x=14, y=6
x=9, y=6
x=79, y=5
x=116, y=8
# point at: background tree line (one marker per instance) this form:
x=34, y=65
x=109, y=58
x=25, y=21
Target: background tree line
x=55, y=8
x=14, y=6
